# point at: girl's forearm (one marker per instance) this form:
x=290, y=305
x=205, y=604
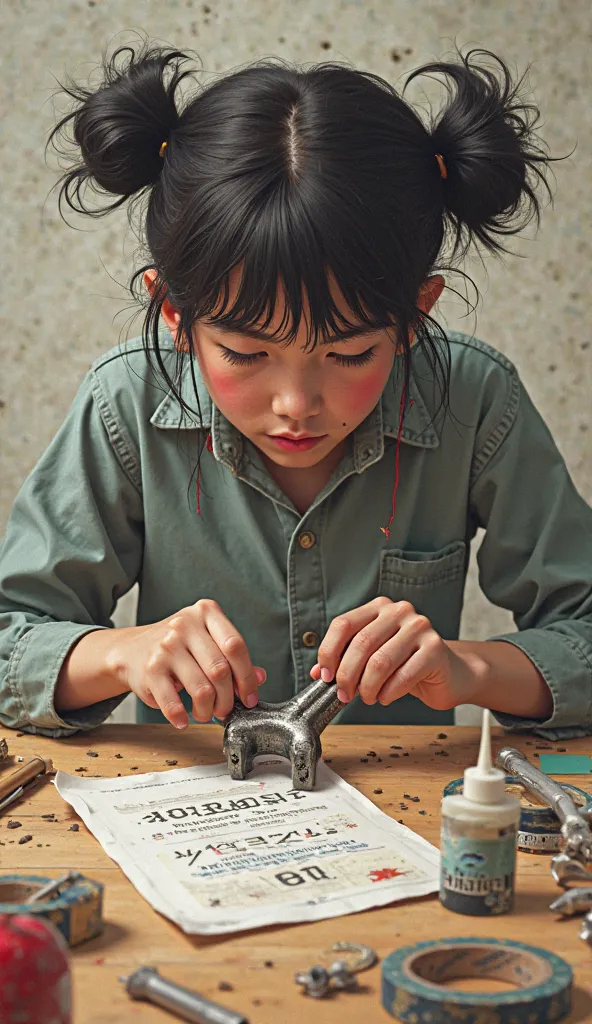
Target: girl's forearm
x=85, y=677
x=499, y=676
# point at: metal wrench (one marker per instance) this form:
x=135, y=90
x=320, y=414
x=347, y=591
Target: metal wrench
x=574, y=862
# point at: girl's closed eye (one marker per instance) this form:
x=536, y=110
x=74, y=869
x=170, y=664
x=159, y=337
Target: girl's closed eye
x=240, y=359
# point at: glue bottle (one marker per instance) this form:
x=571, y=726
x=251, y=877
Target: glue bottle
x=478, y=840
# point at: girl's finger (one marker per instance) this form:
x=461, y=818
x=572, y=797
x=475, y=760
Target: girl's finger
x=315, y=672
x=406, y=678
x=376, y=651
x=165, y=694
x=393, y=655
x=340, y=633
x=191, y=675
x=204, y=700
x=234, y=649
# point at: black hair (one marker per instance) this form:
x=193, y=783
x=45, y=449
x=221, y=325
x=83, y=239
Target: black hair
x=297, y=174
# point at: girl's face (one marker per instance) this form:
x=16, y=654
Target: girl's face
x=266, y=389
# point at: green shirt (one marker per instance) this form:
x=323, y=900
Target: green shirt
x=112, y=502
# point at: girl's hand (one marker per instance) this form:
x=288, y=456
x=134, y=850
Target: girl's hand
x=196, y=649
x=384, y=650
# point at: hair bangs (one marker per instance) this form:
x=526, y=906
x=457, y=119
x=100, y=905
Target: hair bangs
x=286, y=261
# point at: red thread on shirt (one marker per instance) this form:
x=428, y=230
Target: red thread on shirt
x=386, y=529
x=198, y=484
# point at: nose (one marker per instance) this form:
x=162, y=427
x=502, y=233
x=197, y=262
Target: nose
x=298, y=400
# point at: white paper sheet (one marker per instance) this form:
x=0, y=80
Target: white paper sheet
x=215, y=855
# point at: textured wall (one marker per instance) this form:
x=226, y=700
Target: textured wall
x=64, y=290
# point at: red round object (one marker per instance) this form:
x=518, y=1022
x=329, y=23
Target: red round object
x=34, y=972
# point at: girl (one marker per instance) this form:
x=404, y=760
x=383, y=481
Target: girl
x=301, y=498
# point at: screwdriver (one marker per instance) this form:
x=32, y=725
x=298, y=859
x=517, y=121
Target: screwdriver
x=147, y=983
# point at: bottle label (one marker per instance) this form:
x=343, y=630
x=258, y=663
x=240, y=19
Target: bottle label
x=477, y=870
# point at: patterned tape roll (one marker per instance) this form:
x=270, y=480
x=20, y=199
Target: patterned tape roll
x=77, y=912
x=413, y=978
x=540, y=829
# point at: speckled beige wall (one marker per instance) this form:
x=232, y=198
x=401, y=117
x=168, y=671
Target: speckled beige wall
x=64, y=298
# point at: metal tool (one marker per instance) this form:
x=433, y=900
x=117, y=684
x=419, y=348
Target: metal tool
x=319, y=981
x=576, y=901
x=147, y=983
x=15, y=784
x=290, y=729
x=574, y=862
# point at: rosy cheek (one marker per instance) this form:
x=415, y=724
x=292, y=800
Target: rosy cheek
x=362, y=395
x=231, y=391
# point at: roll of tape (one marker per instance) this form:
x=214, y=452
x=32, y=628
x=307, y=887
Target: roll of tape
x=413, y=980
x=77, y=912
x=540, y=829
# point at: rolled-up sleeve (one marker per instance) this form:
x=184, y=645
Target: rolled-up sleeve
x=536, y=559
x=73, y=546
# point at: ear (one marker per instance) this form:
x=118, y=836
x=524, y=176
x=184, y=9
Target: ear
x=169, y=313
x=429, y=293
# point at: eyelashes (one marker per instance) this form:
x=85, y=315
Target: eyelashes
x=239, y=359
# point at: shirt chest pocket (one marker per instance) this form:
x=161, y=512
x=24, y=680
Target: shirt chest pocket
x=433, y=582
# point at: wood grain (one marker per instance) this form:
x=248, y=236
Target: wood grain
x=135, y=934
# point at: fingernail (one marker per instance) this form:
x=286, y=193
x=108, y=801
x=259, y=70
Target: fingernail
x=314, y=668
x=326, y=675
x=342, y=696
x=261, y=675
x=251, y=700
x=181, y=725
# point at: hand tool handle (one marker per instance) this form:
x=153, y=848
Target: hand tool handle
x=146, y=983
x=532, y=778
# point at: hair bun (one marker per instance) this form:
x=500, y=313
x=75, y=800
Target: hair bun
x=120, y=126
x=494, y=161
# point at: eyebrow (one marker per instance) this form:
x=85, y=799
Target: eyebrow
x=252, y=332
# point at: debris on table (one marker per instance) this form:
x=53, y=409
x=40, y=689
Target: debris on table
x=14, y=824
x=25, y=839
x=74, y=828
x=171, y=762
x=91, y=753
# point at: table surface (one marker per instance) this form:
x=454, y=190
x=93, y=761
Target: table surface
x=137, y=935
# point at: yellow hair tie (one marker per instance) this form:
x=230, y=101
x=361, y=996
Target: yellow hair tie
x=162, y=149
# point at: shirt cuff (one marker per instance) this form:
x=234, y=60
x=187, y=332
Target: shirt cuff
x=32, y=677
x=567, y=671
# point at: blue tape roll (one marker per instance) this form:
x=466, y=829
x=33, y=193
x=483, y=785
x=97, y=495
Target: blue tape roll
x=77, y=912
x=540, y=828
x=413, y=977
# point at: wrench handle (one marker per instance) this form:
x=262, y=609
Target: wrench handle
x=147, y=983
x=553, y=795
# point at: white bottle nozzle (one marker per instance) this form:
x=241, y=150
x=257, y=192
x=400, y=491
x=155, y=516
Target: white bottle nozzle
x=484, y=784
x=484, y=762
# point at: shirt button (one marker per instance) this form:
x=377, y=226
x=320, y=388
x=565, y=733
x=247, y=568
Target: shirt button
x=306, y=540
x=310, y=639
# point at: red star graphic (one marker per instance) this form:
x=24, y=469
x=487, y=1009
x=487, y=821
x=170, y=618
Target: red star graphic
x=383, y=874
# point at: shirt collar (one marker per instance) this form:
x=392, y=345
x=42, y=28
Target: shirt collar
x=418, y=426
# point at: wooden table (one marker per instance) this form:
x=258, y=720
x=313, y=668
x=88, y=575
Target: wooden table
x=135, y=934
